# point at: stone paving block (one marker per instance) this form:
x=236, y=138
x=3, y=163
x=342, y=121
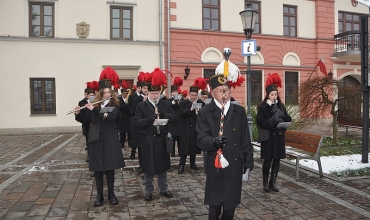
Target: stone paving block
x=259, y=210
x=22, y=206
x=119, y=216
x=296, y=217
x=58, y=212
x=198, y=210
x=243, y=213
x=175, y=201
x=14, y=215
x=155, y=206
x=140, y=217
x=192, y=201
x=137, y=211
x=77, y=215
x=45, y=201
x=305, y=212
x=177, y=209
x=137, y=203
x=3, y=211
x=27, y=198
x=13, y=196
x=159, y=214
x=182, y=216
x=39, y=210
x=61, y=202
x=34, y=218
x=282, y=211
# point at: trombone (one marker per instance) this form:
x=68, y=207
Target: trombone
x=75, y=110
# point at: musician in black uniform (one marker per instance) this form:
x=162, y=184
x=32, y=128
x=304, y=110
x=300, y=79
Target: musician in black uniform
x=188, y=117
x=131, y=107
x=105, y=152
x=85, y=123
x=124, y=120
x=136, y=141
x=175, y=127
x=224, y=185
x=154, y=156
x=204, y=95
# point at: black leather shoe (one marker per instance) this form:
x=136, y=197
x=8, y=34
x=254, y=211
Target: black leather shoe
x=112, y=199
x=139, y=170
x=181, y=169
x=193, y=166
x=167, y=194
x=99, y=200
x=148, y=196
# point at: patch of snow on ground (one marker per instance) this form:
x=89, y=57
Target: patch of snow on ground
x=336, y=163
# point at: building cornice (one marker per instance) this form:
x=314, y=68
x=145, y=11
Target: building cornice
x=77, y=40
x=256, y=36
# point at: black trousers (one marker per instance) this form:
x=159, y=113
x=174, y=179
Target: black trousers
x=183, y=159
x=175, y=139
x=215, y=211
x=124, y=137
x=99, y=180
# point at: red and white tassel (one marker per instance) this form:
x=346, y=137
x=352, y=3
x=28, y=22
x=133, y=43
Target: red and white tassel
x=220, y=160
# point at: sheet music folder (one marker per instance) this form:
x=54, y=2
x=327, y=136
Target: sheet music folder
x=160, y=122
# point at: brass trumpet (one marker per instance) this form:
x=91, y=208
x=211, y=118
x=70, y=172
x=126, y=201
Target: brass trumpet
x=75, y=110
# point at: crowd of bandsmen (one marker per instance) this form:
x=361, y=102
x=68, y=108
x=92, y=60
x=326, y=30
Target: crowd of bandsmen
x=181, y=102
x=195, y=122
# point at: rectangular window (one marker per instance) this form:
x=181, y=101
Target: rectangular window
x=291, y=88
x=42, y=96
x=211, y=15
x=121, y=23
x=208, y=73
x=348, y=22
x=256, y=87
x=257, y=7
x=290, y=20
x=41, y=19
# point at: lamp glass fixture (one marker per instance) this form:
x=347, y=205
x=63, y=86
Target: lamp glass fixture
x=248, y=16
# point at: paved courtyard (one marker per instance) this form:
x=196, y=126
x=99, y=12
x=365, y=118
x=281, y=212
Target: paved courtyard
x=45, y=176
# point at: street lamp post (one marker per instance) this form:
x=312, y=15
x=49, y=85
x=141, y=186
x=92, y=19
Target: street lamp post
x=248, y=16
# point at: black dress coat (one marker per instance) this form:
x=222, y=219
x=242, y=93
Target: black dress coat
x=188, y=120
x=154, y=156
x=106, y=153
x=274, y=147
x=81, y=119
x=175, y=127
x=124, y=119
x=133, y=100
x=223, y=186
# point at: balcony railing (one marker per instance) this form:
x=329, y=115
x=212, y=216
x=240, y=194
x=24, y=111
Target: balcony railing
x=347, y=41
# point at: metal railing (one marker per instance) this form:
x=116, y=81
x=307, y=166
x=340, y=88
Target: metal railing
x=347, y=41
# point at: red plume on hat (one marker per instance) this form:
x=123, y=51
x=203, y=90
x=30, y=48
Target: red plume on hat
x=109, y=73
x=90, y=85
x=95, y=85
x=177, y=81
x=273, y=78
x=158, y=77
x=201, y=83
x=124, y=85
x=141, y=77
x=184, y=93
x=238, y=82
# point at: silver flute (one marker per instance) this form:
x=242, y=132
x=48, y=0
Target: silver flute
x=75, y=110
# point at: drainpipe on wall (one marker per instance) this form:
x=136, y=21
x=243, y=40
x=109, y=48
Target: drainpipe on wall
x=160, y=35
x=168, y=49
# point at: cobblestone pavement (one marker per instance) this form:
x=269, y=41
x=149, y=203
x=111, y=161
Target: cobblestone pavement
x=45, y=176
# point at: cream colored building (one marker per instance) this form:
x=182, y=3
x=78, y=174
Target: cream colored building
x=43, y=56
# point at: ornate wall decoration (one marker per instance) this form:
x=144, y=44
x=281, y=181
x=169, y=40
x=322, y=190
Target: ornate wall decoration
x=354, y=3
x=82, y=29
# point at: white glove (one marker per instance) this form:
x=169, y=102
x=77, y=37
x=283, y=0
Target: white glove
x=173, y=102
